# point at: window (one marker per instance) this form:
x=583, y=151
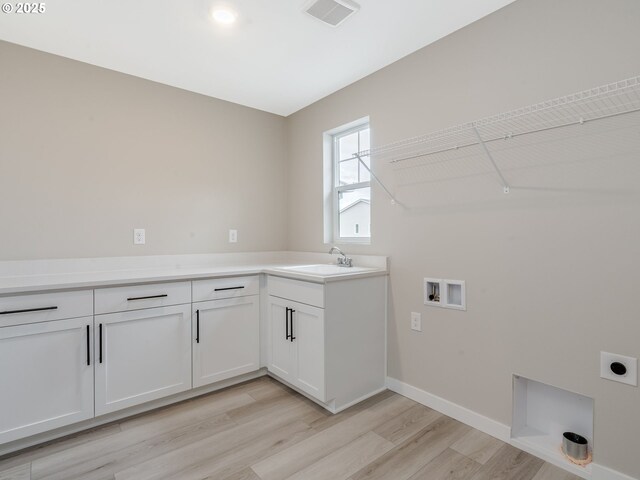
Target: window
x=351, y=188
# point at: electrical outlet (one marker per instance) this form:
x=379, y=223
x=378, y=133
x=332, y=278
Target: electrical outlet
x=138, y=236
x=233, y=236
x=416, y=321
x=619, y=368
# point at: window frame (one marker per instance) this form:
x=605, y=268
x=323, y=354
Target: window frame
x=337, y=189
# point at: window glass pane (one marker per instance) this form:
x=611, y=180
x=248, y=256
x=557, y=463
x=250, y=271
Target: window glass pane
x=348, y=172
x=365, y=176
x=355, y=212
x=348, y=145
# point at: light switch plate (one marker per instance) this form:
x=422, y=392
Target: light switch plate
x=629, y=377
x=139, y=236
x=416, y=321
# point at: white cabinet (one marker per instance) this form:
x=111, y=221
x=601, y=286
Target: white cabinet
x=280, y=345
x=226, y=338
x=296, y=341
x=46, y=376
x=61, y=364
x=141, y=355
x=329, y=340
x=307, y=324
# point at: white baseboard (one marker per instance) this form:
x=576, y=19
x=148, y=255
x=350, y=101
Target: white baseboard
x=600, y=472
x=484, y=424
x=453, y=410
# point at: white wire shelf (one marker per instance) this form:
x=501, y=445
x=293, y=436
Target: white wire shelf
x=606, y=101
x=614, y=99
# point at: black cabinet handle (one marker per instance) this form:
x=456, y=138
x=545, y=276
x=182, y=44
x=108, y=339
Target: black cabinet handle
x=130, y=299
x=88, y=346
x=228, y=288
x=292, y=311
x=41, y=309
x=100, y=341
x=197, y=326
x=286, y=323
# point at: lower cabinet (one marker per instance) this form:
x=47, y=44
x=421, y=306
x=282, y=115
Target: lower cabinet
x=46, y=376
x=296, y=345
x=141, y=356
x=226, y=339
x=328, y=340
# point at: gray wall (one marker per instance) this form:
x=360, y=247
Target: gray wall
x=87, y=154
x=552, y=268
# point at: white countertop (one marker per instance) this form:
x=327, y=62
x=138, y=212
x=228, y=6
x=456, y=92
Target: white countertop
x=43, y=275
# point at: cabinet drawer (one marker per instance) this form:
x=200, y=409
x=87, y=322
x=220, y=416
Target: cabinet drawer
x=136, y=297
x=44, y=307
x=217, y=288
x=297, y=290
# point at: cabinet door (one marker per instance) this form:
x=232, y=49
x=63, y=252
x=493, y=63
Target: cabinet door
x=141, y=356
x=308, y=333
x=226, y=339
x=280, y=346
x=46, y=376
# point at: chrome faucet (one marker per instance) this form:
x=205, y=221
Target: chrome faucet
x=343, y=261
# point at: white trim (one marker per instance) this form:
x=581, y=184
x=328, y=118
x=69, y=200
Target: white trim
x=347, y=126
x=600, y=472
x=453, y=410
x=489, y=426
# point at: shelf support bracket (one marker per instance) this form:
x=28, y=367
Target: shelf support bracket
x=505, y=185
x=378, y=181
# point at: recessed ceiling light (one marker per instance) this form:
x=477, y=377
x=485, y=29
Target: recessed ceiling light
x=224, y=16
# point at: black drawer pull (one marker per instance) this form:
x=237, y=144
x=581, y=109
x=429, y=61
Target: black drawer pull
x=130, y=299
x=88, y=345
x=100, y=341
x=27, y=310
x=228, y=288
x=197, y=326
x=286, y=323
x=292, y=312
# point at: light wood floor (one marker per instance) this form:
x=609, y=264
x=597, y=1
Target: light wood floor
x=262, y=430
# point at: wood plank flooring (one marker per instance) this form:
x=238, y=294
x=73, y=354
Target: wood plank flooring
x=262, y=430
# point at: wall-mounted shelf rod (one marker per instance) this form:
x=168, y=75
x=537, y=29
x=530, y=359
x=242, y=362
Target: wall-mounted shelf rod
x=378, y=181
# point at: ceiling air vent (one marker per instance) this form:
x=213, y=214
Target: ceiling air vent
x=332, y=12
